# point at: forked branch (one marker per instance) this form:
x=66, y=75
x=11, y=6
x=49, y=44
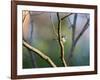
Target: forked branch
x=75, y=40
x=60, y=41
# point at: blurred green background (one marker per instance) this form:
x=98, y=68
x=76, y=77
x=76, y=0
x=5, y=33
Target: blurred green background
x=45, y=40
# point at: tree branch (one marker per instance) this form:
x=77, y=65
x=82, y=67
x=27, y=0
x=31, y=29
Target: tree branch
x=81, y=33
x=66, y=16
x=70, y=23
x=41, y=54
x=74, y=42
x=60, y=41
x=73, y=37
x=74, y=27
x=29, y=40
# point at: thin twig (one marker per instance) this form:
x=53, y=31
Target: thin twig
x=66, y=16
x=53, y=26
x=70, y=23
x=41, y=54
x=81, y=33
x=60, y=41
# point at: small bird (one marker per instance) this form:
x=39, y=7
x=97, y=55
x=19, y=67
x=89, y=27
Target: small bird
x=64, y=38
